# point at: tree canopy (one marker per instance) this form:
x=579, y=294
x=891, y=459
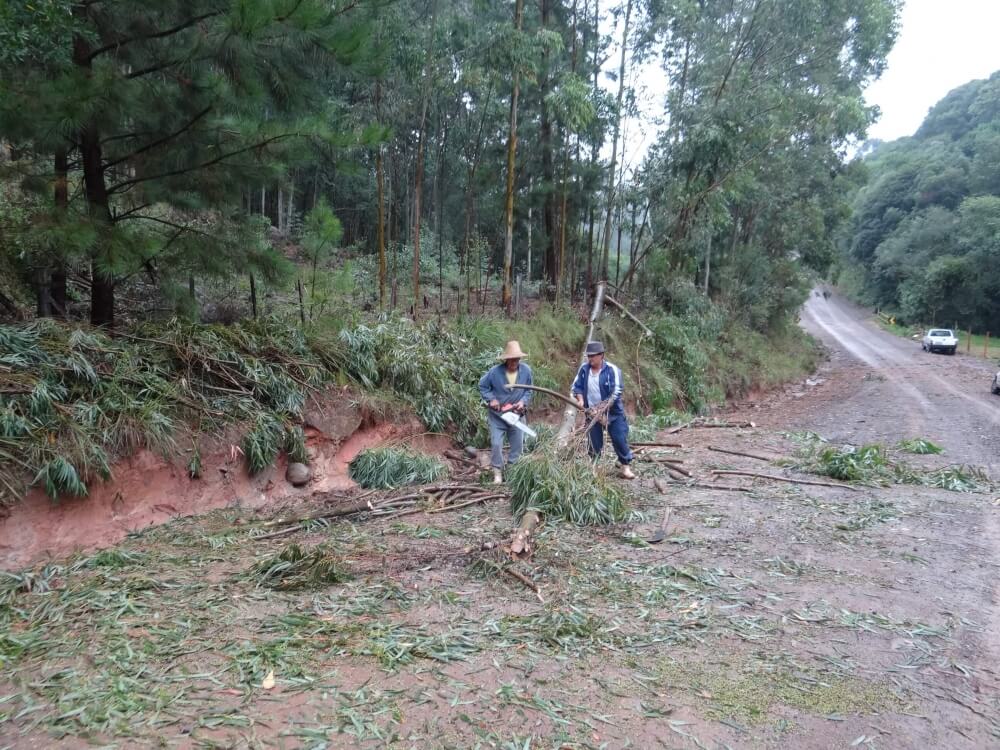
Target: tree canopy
x=924, y=236
x=170, y=153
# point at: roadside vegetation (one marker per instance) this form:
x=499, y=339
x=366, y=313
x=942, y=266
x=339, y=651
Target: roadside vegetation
x=922, y=241
x=874, y=464
x=975, y=345
x=76, y=399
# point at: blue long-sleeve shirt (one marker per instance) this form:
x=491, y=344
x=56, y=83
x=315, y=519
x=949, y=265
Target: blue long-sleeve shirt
x=493, y=385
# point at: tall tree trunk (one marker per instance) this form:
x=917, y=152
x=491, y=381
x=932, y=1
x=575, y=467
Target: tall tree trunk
x=253, y=296
x=564, y=212
x=529, y=231
x=508, y=245
x=442, y=170
x=590, y=247
x=281, y=211
x=418, y=179
x=618, y=254
x=394, y=229
x=561, y=264
x=51, y=279
x=595, y=147
x=380, y=230
x=548, y=166
x=102, y=285
x=42, y=307
x=469, y=200
x=466, y=239
x=610, y=195
x=708, y=264
x=636, y=253
x=57, y=279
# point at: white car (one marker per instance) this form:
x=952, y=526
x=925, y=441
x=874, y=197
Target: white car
x=995, y=385
x=940, y=340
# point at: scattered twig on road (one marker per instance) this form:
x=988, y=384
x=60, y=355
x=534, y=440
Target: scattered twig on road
x=703, y=423
x=784, y=479
x=741, y=453
x=477, y=500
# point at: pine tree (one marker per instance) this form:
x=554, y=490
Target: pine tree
x=167, y=111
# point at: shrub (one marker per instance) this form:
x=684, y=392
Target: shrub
x=394, y=467
x=566, y=488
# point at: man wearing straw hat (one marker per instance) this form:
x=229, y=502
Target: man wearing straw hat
x=493, y=388
x=599, y=381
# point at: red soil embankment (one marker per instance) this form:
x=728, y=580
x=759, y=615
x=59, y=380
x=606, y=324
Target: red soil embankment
x=147, y=489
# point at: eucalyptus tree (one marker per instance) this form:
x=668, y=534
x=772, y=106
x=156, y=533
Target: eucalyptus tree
x=763, y=98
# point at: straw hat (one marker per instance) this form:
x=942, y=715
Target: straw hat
x=511, y=351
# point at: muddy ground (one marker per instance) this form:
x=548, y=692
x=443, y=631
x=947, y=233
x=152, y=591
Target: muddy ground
x=791, y=616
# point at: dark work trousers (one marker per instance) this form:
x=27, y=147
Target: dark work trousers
x=618, y=430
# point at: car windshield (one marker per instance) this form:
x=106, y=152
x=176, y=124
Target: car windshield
x=940, y=332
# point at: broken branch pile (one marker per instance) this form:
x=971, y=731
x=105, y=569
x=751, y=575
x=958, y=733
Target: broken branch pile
x=429, y=499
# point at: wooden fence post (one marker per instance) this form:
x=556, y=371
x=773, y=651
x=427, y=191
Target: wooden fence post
x=253, y=296
x=517, y=299
x=302, y=306
x=986, y=346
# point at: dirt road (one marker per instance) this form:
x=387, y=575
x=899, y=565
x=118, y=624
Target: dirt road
x=780, y=616
x=907, y=390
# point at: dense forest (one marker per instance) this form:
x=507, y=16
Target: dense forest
x=210, y=157
x=252, y=199
x=924, y=236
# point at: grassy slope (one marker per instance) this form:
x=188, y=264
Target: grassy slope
x=79, y=399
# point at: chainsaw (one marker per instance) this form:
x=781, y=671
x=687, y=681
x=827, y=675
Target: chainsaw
x=511, y=417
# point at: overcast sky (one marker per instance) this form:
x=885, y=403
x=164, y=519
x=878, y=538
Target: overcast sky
x=941, y=45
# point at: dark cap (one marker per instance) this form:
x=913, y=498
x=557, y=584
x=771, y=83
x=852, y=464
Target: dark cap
x=594, y=347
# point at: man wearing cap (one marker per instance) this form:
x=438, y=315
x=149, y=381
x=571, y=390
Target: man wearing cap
x=596, y=382
x=493, y=388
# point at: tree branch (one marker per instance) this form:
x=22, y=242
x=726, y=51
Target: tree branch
x=222, y=157
x=160, y=141
x=119, y=43
x=118, y=217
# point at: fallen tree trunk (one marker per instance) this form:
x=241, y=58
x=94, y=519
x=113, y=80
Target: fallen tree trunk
x=521, y=544
x=785, y=479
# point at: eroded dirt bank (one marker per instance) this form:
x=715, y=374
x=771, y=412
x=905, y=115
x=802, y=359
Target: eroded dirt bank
x=785, y=616
x=147, y=490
